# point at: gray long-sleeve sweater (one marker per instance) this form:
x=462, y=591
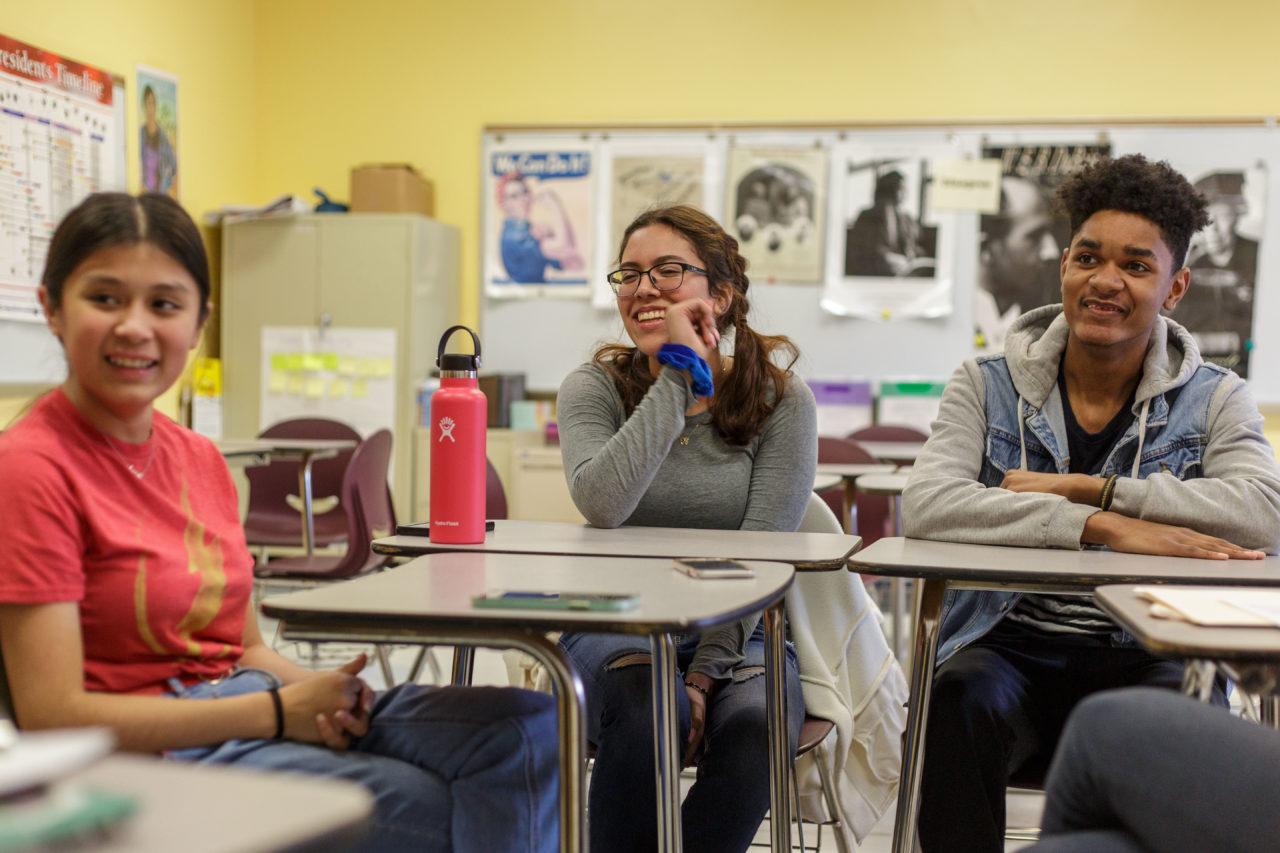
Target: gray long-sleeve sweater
x=637, y=471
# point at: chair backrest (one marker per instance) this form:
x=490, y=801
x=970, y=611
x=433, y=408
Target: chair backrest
x=270, y=486
x=370, y=513
x=888, y=432
x=818, y=517
x=495, y=497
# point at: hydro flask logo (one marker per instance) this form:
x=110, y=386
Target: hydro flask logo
x=446, y=429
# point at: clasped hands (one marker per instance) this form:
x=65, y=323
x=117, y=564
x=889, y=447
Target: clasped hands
x=1121, y=532
x=330, y=707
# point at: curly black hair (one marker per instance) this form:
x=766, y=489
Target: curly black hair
x=1134, y=184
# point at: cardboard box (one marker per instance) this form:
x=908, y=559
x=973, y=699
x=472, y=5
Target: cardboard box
x=391, y=188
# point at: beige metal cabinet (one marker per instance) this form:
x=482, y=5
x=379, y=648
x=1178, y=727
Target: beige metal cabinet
x=397, y=271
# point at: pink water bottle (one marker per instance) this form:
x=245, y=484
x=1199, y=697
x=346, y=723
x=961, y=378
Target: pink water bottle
x=459, y=417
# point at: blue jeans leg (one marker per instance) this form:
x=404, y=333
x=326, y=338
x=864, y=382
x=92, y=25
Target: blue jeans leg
x=462, y=769
x=1171, y=773
x=729, y=799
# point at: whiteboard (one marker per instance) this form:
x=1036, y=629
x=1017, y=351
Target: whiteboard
x=90, y=136
x=546, y=338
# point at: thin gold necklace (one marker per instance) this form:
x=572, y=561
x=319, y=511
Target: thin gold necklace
x=684, y=439
x=137, y=472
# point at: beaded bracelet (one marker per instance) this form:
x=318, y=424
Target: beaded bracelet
x=698, y=687
x=279, y=706
x=1108, y=492
x=682, y=357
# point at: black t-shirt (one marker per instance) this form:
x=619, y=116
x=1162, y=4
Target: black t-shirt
x=1064, y=615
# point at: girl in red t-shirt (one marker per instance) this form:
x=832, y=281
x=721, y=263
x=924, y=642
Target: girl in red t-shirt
x=125, y=579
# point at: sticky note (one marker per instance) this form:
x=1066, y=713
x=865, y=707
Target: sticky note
x=329, y=360
x=360, y=388
x=347, y=365
x=338, y=387
x=382, y=367
x=966, y=185
x=297, y=383
x=279, y=361
x=312, y=361
x=315, y=387
x=277, y=382
x=292, y=361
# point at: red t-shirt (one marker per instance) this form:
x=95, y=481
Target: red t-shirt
x=158, y=565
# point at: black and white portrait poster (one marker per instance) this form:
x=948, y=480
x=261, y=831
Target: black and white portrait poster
x=776, y=206
x=1218, y=306
x=1020, y=247
x=890, y=255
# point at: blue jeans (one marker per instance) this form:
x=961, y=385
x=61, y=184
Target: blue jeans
x=728, y=801
x=450, y=768
x=1147, y=770
x=997, y=710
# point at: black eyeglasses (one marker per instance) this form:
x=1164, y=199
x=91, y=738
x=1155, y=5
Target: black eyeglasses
x=667, y=275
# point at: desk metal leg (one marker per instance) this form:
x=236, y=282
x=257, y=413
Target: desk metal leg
x=308, y=517
x=850, y=498
x=924, y=654
x=464, y=661
x=666, y=743
x=776, y=708
x=1269, y=711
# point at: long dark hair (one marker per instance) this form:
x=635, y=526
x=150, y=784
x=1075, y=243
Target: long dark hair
x=753, y=387
x=104, y=220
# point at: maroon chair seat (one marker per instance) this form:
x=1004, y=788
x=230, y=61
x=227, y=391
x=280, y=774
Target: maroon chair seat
x=369, y=514
x=872, y=510
x=270, y=520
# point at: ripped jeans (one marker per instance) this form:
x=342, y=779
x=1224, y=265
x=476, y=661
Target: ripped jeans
x=728, y=801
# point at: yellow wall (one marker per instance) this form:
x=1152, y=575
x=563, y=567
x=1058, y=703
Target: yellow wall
x=285, y=95
x=210, y=46
x=343, y=83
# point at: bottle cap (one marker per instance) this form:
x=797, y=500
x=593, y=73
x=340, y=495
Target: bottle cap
x=458, y=361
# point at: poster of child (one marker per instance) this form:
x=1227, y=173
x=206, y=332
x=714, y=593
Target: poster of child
x=158, y=134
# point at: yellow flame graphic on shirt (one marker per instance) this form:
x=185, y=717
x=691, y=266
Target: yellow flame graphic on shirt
x=203, y=560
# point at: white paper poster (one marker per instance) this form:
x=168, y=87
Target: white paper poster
x=538, y=222
x=776, y=207
x=60, y=139
x=891, y=249
x=348, y=374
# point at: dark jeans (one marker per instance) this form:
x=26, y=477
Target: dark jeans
x=998, y=708
x=1144, y=770
x=728, y=801
x=450, y=768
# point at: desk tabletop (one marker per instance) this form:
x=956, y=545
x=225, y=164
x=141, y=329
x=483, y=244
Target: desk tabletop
x=883, y=484
x=894, y=451
x=853, y=470
x=803, y=550
x=200, y=808
x=438, y=588
x=924, y=558
x=1177, y=638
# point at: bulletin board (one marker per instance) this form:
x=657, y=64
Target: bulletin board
x=62, y=136
x=930, y=328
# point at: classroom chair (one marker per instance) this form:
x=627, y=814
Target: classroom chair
x=369, y=514
x=888, y=432
x=274, y=516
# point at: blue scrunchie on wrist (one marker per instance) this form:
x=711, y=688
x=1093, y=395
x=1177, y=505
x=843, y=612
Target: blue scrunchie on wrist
x=682, y=357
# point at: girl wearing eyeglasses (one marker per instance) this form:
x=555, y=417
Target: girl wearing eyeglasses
x=680, y=429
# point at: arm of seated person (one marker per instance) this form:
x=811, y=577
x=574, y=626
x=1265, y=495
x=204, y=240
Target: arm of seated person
x=1136, y=536
x=44, y=661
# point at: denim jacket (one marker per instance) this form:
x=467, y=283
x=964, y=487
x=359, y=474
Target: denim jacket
x=1194, y=456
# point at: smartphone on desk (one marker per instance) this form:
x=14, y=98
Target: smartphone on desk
x=423, y=528
x=713, y=567
x=529, y=600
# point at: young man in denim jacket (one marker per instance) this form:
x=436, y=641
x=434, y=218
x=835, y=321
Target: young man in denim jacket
x=1099, y=425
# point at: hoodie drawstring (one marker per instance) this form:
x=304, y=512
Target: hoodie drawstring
x=1022, y=436
x=1142, y=436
